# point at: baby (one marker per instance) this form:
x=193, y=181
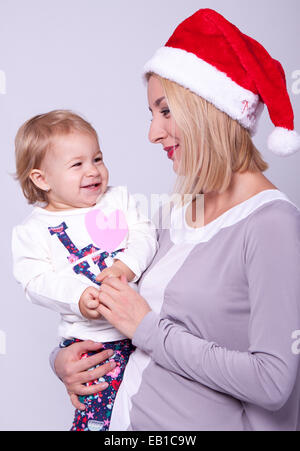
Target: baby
x=79, y=232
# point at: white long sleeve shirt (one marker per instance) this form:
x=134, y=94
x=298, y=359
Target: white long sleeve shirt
x=57, y=255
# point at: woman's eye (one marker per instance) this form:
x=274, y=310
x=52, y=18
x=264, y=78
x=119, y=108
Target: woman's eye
x=165, y=112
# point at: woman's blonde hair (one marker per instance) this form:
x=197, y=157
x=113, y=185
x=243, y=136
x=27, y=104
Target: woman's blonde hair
x=35, y=138
x=214, y=145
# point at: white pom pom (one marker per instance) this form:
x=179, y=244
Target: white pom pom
x=284, y=142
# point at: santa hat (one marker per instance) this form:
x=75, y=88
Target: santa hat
x=213, y=58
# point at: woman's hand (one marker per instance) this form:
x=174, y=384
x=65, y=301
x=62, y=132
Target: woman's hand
x=121, y=305
x=74, y=372
x=117, y=269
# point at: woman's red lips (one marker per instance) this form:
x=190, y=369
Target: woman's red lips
x=171, y=150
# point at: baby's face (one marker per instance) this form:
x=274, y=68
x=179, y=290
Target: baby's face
x=75, y=172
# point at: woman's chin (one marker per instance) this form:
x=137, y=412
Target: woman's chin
x=176, y=168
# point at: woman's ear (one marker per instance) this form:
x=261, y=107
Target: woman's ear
x=37, y=176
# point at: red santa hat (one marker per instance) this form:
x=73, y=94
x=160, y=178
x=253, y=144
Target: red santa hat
x=213, y=58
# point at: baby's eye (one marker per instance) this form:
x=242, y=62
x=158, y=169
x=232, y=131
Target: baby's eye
x=98, y=160
x=76, y=165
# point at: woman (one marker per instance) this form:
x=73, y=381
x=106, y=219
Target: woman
x=215, y=312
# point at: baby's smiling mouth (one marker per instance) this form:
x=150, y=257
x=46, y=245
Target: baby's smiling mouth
x=92, y=186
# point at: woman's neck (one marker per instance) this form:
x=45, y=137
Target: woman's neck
x=242, y=187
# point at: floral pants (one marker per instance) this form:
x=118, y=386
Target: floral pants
x=98, y=407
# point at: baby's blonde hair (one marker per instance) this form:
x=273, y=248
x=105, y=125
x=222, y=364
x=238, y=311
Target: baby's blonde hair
x=34, y=140
x=214, y=146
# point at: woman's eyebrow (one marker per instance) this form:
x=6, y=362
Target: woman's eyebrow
x=157, y=102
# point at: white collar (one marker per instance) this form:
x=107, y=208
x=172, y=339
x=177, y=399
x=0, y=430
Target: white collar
x=180, y=231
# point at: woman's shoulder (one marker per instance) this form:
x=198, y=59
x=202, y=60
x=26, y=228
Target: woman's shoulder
x=277, y=220
x=279, y=211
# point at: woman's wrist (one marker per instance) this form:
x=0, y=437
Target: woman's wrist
x=121, y=305
x=52, y=359
x=74, y=371
x=146, y=327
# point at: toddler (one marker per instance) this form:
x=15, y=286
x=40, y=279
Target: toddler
x=80, y=231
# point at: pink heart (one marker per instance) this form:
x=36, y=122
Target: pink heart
x=106, y=232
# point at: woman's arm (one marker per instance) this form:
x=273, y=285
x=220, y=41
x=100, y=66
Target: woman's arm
x=75, y=373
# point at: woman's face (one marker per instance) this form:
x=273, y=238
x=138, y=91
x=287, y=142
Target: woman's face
x=163, y=129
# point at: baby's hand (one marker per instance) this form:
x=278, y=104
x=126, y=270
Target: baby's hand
x=112, y=271
x=89, y=302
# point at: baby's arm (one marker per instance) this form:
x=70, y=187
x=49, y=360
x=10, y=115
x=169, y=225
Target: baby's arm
x=33, y=269
x=142, y=240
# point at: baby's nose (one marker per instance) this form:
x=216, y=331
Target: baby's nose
x=92, y=170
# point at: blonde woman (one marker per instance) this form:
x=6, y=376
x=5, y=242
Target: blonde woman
x=216, y=310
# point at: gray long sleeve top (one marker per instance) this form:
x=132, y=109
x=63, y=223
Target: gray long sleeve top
x=215, y=352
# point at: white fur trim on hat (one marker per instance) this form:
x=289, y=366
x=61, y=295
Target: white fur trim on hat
x=284, y=142
x=208, y=82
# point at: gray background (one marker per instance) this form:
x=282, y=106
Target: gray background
x=87, y=55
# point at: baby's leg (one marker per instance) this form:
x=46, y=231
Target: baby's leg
x=97, y=414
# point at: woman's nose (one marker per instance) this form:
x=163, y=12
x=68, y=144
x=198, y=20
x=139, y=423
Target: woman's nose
x=156, y=132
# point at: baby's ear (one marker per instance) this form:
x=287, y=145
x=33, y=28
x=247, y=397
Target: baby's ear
x=37, y=177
